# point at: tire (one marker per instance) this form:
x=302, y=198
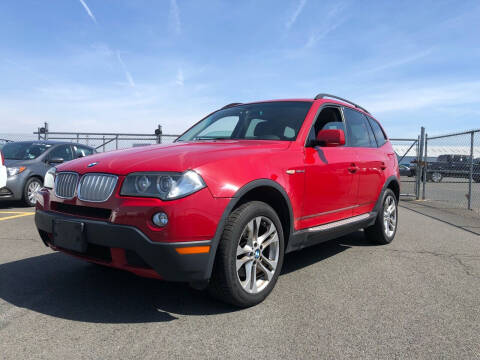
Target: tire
x=239, y=246
x=29, y=191
x=436, y=177
x=379, y=233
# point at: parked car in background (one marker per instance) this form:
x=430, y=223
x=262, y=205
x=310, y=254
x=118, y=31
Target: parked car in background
x=454, y=166
x=406, y=170
x=3, y=171
x=221, y=206
x=3, y=142
x=28, y=161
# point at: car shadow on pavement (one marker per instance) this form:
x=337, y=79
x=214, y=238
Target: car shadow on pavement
x=6, y=204
x=58, y=285
x=61, y=286
x=311, y=255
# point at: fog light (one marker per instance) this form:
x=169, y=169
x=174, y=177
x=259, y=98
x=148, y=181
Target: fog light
x=160, y=219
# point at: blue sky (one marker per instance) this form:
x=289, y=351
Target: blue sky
x=118, y=65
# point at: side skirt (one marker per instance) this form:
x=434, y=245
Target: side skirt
x=318, y=234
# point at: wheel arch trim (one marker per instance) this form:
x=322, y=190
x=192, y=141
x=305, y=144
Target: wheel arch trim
x=231, y=205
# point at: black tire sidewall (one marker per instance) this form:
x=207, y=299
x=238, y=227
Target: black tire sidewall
x=254, y=209
x=25, y=190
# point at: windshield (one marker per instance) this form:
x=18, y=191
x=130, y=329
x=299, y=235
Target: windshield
x=280, y=120
x=24, y=151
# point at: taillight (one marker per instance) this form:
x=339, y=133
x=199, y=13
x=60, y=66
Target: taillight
x=1, y=156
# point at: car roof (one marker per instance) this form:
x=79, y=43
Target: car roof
x=49, y=142
x=324, y=100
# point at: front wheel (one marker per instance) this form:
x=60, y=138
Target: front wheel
x=30, y=191
x=249, y=256
x=385, y=227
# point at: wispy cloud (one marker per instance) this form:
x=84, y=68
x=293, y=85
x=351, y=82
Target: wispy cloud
x=174, y=18
x=295, y=14
x=400, y=62
x=180, y=79
x=125, y=70
x=89, y=12
x=414, y=96
x=328, y=24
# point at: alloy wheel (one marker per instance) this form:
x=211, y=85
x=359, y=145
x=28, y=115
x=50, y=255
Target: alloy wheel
x=389, y=216
x=33, y=188
x=257, y=254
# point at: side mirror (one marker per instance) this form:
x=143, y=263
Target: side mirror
x=56, y=160
x=331, y=138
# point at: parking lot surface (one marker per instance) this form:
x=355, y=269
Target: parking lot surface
x=418, y=297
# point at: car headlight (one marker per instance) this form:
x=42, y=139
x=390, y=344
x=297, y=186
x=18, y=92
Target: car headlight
x=12, y=171
x=165, y=185
x=49, y=180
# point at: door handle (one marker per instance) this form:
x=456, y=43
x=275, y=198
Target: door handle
x=353, y=168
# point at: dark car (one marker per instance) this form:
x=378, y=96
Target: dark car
x=28, y=161
x=452, y=165
x=406, y=170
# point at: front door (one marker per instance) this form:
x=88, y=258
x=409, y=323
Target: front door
x=330, y=176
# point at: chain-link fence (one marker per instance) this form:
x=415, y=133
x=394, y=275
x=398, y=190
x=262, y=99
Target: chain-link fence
x=453, y=177
x=407, y=155
x=106, y=141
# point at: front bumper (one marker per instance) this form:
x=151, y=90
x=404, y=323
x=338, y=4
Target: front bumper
x=13, y=190
x=116, y=245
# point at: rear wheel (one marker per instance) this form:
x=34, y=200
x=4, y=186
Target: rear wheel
x=249, y=256
x=30, y=191
x=385, y=227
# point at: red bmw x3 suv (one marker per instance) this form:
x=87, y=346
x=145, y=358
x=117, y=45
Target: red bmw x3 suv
x=220, y=206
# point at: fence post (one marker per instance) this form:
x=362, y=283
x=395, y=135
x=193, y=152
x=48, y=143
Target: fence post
x=419, y=159
x=158, y=132
x=470, y=177
x=46, y=131
x=425, y=167
x=103, y=144
x=116, y=142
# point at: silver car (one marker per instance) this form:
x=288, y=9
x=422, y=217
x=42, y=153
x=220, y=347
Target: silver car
x=28, y=161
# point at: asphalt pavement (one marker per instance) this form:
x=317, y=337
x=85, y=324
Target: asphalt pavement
x=418, y=297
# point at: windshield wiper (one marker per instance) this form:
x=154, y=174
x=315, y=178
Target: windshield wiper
x=211, y=138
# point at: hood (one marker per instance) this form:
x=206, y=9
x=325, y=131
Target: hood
x=10, y=163
x=176, y=157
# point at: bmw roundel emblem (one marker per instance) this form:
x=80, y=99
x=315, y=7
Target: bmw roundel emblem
x=92, y=164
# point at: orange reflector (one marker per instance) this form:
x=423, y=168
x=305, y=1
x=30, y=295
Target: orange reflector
x=193, y=250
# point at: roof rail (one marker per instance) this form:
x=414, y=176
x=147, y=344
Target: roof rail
x=230, y=105
x=321, y=96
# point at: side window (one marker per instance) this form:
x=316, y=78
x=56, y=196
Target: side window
x=62, y=151
x=378, y=132
x=223, y=127
x=251, y=127
x=82, y=151
x=358, y=131
x=329, y=118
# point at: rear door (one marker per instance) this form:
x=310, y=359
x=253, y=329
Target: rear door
x=371, y=160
